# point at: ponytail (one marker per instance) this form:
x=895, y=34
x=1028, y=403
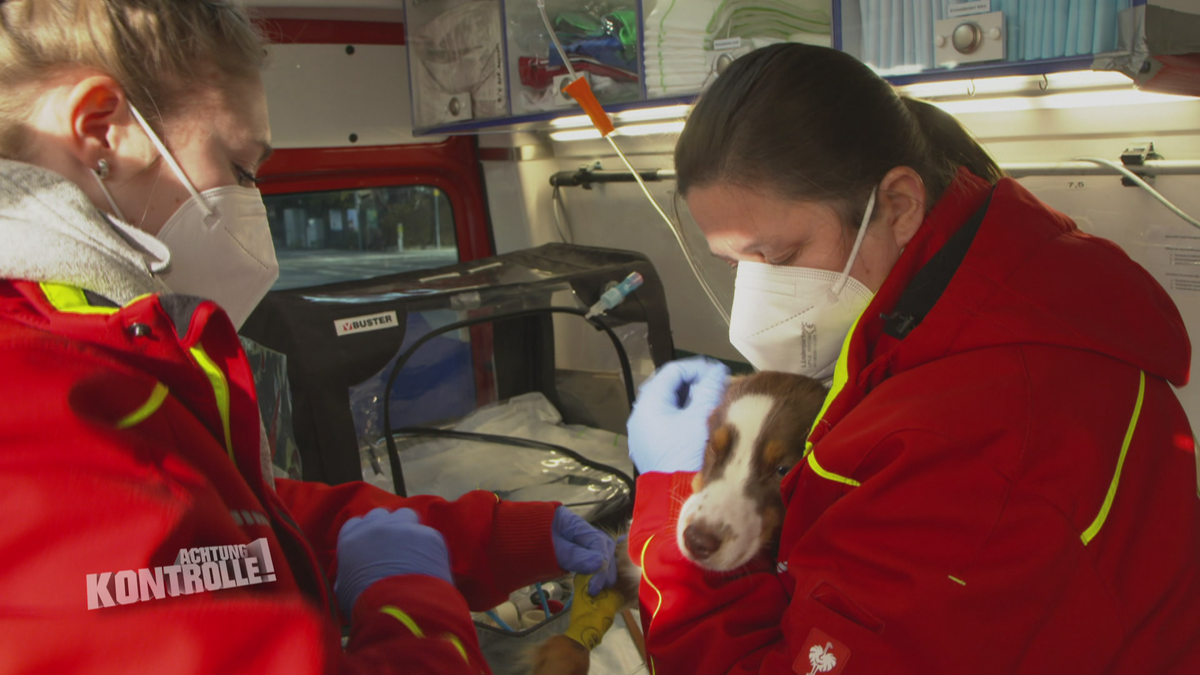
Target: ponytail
x=951, y=142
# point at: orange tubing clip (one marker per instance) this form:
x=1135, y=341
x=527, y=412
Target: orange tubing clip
x=581, y=91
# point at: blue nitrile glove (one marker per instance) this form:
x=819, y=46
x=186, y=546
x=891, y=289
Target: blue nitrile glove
x=669, y=425
x=385, y=544
x=583, y=549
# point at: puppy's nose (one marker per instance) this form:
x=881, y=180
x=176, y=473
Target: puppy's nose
x=700, y=541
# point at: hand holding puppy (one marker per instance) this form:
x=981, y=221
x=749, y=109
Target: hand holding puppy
x=669, y=425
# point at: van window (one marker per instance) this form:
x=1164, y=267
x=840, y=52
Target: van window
x=326, y=237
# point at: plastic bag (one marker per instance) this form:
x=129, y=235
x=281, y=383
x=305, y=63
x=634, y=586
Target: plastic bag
x=450, y=468
x=269, y=369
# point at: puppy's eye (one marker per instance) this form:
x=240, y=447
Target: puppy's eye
x=783, y=471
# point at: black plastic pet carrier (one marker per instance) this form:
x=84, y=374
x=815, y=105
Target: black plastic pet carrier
x=478, y=370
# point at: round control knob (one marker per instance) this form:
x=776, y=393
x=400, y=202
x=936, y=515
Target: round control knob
x=941, y=41
x=994, y=33
x=723, y=63
x=967, y=37
x=455, y=106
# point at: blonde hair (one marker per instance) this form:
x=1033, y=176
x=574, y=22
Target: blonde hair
x=157, y=50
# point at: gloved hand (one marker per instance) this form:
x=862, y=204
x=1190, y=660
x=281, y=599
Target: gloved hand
x=385, y=544
x=583, y=549
x=669, y=425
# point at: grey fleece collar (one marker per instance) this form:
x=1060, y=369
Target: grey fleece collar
x=50, y=231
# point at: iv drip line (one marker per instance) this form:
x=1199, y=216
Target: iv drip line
x=674, y=227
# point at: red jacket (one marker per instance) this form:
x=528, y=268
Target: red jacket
x=1010, y=488
x=132, y=497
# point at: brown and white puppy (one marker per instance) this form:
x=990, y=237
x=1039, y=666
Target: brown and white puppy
x=755, y=437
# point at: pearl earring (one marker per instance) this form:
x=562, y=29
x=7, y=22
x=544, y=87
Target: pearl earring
x=102, y=169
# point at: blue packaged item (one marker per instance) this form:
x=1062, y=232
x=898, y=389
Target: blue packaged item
x=1060, y=27
x=1070, y=47
x=607, y=50
x=910, y=37
x=1105, y=27
x=1106, y=24
x=1047, y=48
x=1087, y=26
x=896, y=42
x=1031, y=19
x=1012, y=29
x=870, y=28
x=924, y=32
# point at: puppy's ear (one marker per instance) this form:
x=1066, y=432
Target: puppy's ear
x=716, y=455
x=773, y=455
x=629, y=575
x=722, y=438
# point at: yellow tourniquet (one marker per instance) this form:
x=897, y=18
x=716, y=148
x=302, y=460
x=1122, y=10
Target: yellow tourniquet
x=591, y=616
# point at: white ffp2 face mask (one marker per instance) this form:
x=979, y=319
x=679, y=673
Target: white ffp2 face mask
x=230, y=261
x=795, y=319
x=220, y=242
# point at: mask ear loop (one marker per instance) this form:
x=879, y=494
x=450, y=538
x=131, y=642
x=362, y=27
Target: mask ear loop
x=862, y=230
x=108, y=195
x=209, y=213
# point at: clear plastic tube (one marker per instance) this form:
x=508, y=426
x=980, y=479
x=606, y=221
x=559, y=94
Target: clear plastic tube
x=560, y=224
x=1137, y=180
x=615, y=295
x=675, y=230
x=673, y=226
x=554, y=37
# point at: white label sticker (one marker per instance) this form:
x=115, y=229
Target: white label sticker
x=968, y=8
x=362, y=324
x=727, y=43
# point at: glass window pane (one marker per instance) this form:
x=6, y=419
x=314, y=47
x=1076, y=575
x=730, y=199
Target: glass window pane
x=326, y=237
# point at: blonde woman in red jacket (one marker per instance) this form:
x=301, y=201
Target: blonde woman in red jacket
x=1001, y=480
x=139, y=532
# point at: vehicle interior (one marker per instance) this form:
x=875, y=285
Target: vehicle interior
x=446, y=213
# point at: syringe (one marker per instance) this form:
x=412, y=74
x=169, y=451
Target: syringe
x=615, y=295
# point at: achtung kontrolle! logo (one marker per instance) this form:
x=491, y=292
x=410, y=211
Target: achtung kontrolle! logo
x=196, y=570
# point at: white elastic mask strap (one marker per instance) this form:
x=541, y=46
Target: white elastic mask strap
x=108, y=195
x=166, y=155
x=858, y=240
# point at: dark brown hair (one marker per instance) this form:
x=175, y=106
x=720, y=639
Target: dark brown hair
x=816, y=124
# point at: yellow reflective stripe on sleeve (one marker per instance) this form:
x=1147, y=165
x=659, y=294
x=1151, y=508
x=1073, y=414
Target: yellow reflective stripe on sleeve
x=1094, y=529
x=403, y=618
x=220, y=389
x=462, y=651
x=812, y=462
x=399, y=615
x=71, y=300
x=841, y=375
x=642, y=563
x=152, y=404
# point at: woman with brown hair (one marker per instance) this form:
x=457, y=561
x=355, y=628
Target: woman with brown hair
x=142, y=529
x=1001, y=479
